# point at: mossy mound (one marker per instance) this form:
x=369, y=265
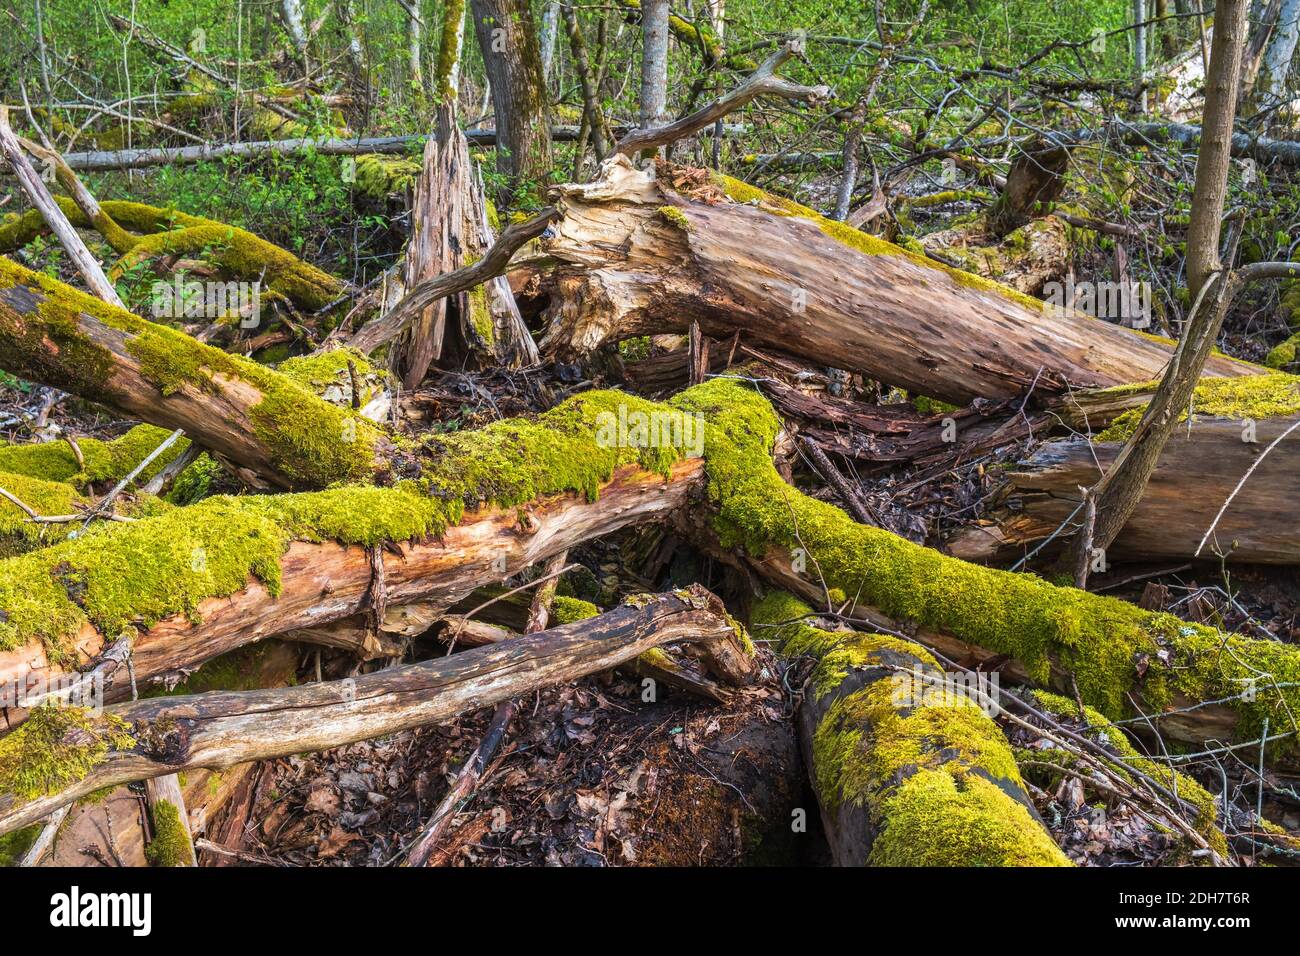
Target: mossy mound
x=55, y=747
x=380, y=176
x=102, y=460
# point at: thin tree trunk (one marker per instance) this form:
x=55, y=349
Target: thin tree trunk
x=1212, y=159
x=1281, y=51
x=654, y=63
x=513, y=62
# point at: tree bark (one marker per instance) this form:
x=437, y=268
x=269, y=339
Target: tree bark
x=654, y=63
x=1198, y=471
x=508, y=40
x=224, y=728
x=328, y=581
x=1213, y=157
x=1281, y=51
x=787, y=279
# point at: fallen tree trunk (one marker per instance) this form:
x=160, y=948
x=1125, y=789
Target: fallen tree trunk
x=638, y=255
x=1235, y=450
x=1194, y=682
x=236, y=570
x=62, y=754
x=256, y=418
x=1199, y=469
x=903, y=776
x=108, y=160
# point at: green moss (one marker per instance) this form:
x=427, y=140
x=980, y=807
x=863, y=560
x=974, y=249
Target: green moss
x=56, y=747
x=925, y=767
x=15, y=843
x=170, y=845
x=311, y=441
x=140, y=573
x=104, y=461
x=1100, y=641
x=931, y=406
x=239, y=253
x=1283, y=355
x=675, y=217
x=935, y=819
x=1103, y=732
x=46, y=498
x=480, y=317
x=569, y=610
x=866, y=243
x=380, y=176
x=1248, y=396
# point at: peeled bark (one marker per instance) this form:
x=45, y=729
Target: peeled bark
x=150, y=738
x=635, y=256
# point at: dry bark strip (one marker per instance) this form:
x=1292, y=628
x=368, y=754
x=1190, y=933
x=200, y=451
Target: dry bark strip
x=224, y=728
x=632, y=256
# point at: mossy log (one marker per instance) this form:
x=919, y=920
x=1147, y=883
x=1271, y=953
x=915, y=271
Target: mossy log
x=1196, y=683
x=196, y=582
x=634, y=255
x=903, y=777
x=140, y=232
x=62, y=754
x=1115, y=652
x=263, y=422
x=1235, y=424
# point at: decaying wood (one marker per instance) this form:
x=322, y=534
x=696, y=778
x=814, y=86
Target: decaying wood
x=225, y=728
x=91, y=358
x=1198, y=470
x=385, y=329
x=625, y=268
x=321, y=582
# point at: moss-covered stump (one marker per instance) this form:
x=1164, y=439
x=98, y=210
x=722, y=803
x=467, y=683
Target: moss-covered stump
x=903, y=777
x=262, y=421
x=159, y=231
